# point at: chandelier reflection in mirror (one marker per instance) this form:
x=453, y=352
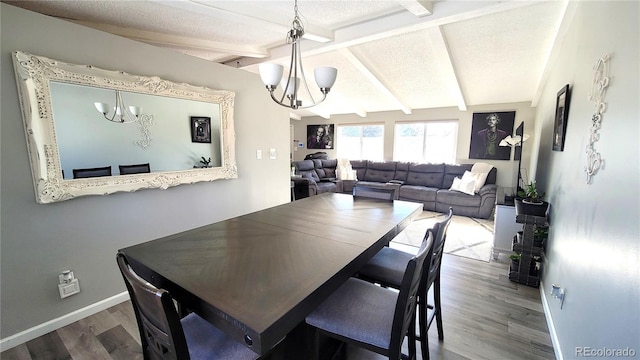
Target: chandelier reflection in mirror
x=121, y=113
x=271, y=74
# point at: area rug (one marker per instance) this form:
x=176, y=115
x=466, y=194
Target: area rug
x=467, y=237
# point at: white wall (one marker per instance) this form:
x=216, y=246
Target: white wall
x=39, y=241
x=594, y=238
x=507, y=169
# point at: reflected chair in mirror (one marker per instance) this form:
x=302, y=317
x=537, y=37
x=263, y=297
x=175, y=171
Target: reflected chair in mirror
x=374, y=192
x=134, y=169
x=370, y=316
x=92, y=172
x=387, y=266
x=165, y=336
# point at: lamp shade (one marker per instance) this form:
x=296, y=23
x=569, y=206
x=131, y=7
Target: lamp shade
x=292, y=86
x=325, y=77
x=103, y=108
x=134, y=110
x=270, y=74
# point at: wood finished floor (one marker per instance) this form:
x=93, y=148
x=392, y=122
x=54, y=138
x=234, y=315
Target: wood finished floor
x=485, y=315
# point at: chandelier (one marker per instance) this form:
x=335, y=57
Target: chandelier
x=271, y=74
x=121, y=113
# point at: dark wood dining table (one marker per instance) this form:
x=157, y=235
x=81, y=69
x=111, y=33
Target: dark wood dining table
x=257, y=276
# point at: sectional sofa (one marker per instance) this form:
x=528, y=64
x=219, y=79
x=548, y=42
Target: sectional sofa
x=429, y=184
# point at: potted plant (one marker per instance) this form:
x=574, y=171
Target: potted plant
x=529, y=201
x=515, y=264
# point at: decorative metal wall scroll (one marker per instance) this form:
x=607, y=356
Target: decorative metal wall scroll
x=144, y=122
x=598, y=90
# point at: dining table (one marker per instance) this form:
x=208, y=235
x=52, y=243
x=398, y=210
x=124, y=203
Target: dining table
x=257, y=276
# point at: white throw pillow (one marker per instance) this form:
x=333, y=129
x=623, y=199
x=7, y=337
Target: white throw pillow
x=478, y=178
x=465, y=186
x=483, y=170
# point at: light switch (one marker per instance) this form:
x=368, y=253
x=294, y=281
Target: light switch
x=272, y=154
x=259, y=154
x=69, y=288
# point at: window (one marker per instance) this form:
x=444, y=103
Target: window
x=360, y=142
x=426, y=142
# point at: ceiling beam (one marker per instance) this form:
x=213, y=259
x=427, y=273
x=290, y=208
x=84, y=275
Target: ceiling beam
x=394, y=24
x=375, y=79
x=175, y=41
x=418, y=8
x=441, y=46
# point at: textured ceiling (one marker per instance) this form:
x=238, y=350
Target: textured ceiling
x=390, y=54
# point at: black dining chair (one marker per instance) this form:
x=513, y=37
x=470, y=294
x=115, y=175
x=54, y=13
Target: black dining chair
x=165, y=336
x=370, y=316
x=386, y=269
x=374, y=192
x=92, y=172
x=134, y=169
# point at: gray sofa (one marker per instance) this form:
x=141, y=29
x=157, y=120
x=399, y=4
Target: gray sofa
x=316, y=176
x=425, y=183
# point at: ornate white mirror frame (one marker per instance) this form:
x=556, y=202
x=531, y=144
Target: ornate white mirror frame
x=33, y=76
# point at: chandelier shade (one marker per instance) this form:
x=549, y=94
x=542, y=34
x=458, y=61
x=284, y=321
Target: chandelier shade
x=325, y=77
x=121, y=113
x=271, y=74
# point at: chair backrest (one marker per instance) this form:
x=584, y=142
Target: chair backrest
x=408, y=295
x=134, y=169
x=92, y=172
x=432, y=269
x=374, y=192
x=161, y=332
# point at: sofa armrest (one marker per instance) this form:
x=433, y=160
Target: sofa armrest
x=298, y=180
x=488, y=189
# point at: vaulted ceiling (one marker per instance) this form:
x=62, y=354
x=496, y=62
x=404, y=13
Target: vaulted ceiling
x=390, y=54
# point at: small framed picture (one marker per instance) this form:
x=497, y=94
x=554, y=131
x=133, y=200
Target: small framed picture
x=562, y=113
x=200, y=129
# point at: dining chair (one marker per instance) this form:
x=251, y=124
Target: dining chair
x=374, y=192
x=134, y=169
x=165, y=336
x=386, y=269
x=370, y=316
x=92, y=172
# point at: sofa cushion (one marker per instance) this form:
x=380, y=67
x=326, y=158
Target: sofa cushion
x=465, y=185
x=380, y=171
x=456, y=198
x=360, y=166
x=429, y=175
x=453, y=171
x=402, y=170
x=326, y=186
x=329, y=167
x=419, y=193
x=307, y=169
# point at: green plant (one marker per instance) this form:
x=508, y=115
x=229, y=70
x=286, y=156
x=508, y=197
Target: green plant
x=206, y=163
x=530, y=193
x=515, y=257
x=541, y=232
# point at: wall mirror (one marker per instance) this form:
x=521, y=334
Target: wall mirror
x=184, y=132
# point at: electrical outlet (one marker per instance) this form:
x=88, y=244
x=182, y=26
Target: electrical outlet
x=259, y=154
x=272, y=154
x=67, y=284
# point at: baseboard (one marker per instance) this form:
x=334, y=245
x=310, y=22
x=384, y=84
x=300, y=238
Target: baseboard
x=550, y=325
x=52, y=325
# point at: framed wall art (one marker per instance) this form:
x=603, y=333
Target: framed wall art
x=562, y=113
x=487, y=130
x=320, y=136
x=200, y=129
